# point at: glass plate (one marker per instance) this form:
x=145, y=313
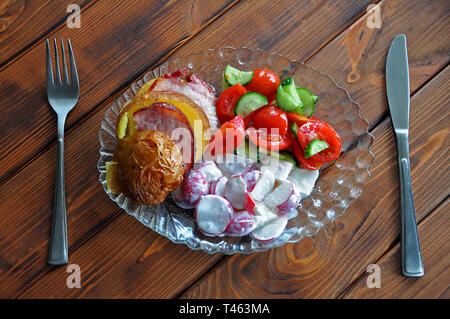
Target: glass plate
x=338, y=185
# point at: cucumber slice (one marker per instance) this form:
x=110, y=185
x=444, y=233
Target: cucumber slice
x=249, y=102
x=234, y=76
x=314, y=147
x=287, y=97
x=308, y=101
x=315, y=98
x=288, y=157
x=224, y=83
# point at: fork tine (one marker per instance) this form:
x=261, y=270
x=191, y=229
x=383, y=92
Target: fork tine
x=58, y=73
x=73, y=66
x=50, y=80
x=64, y=65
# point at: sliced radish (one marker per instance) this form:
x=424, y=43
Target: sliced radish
x=271, y=230
x=178, y=198
x=231, y=164
x=217, y=187
x=304, y=180
x=209, y=168
x=234, y=192
x=213, y=214
x=249, y=203
x=251, y=177
x=194, y=186
x=290, y=204
x=263, y=186
x=242, y=224
x=263, y=213
x=284, y=168
x=284, y=198
x=279, y=168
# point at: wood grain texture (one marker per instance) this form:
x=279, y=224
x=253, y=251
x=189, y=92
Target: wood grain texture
x=89, y=209
x=30, y=192
x=435, y=241
x=24, y=250
x=339, y=58
x=295, y=33
x=324, y=265
x=23, y=265
x=126, y=261
x=116, y=43
x=24, y=22
x=356, y=58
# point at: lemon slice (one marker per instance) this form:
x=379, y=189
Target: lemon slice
x=111, y=177
x=144, y=89
x=122, y=126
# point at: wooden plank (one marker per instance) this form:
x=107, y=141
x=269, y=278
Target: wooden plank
x=295, y=33
x=152, y=268
x=334, y=58
x=88, y=207
x=19, y=234
x=323, y=265
x=356, y=59
x=360, y=47
x=116, y=42
x=24, y=22
x=434, y=235
x=24, y=236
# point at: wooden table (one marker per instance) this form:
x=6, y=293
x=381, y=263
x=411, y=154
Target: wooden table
x=120, y=41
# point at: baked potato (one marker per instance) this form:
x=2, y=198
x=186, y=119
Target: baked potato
x=149, y=166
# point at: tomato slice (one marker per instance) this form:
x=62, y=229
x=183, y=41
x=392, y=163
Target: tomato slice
x=297, y=118
x=229, y=136
x=268, y=127
x=274, y=142
x=227, y=101
x=299, y=154
x=319, y=130
x=264, y=82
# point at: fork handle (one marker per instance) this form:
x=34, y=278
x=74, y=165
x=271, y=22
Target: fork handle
x=58, y=254
x=412, y=265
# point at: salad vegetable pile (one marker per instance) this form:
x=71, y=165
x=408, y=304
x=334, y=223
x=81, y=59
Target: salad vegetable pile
x=262, y=118
x=275, y=116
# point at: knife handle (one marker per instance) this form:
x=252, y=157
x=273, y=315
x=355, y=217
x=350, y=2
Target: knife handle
x=412, y=265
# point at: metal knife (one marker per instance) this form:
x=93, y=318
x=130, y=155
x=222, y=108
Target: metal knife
x=397, y=87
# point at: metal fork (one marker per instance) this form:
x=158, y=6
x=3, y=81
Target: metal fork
x=62, y=96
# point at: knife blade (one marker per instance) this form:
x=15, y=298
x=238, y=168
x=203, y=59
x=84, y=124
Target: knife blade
x=397, y=83
x=397, y=88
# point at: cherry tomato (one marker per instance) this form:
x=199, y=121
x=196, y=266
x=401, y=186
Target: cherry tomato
x=299, y=154
x=227, y=101
x=264, y=82
x=270, y=117
x=229, y=136
x=319, y=130
x=268, y=127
